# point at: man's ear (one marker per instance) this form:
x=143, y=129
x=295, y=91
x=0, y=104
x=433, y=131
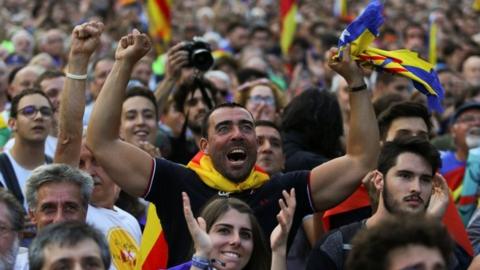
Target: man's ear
x=12, y=124
x=204, y=145
x=31, y=215
x=378, y=180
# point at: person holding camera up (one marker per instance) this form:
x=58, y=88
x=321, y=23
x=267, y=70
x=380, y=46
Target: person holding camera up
x=192, y=94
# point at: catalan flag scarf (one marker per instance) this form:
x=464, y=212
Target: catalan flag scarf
x=203, y=166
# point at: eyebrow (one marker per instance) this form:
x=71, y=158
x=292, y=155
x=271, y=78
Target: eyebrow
x=231, y=226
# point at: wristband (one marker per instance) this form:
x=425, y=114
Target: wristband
x=358, y=88
x=201, y=263
x=76, y=76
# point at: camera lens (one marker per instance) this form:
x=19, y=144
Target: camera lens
x=202, y=59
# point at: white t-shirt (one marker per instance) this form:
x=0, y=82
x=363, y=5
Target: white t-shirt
x=122, y=232
x=50, y=145
x=21, y=263
x=22, y=176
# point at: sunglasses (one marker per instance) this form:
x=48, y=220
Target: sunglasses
x=30, y=111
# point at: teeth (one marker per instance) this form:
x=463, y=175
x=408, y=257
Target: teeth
x=237, y=151
x=141, y=133
x=231, y=254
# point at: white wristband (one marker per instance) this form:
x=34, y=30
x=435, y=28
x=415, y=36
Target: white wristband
x=76, y=76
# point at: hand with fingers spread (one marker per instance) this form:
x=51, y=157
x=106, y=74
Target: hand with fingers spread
x=198, y=230
x=132, y=47
x=440, y=197
x=345, y=66
x=177, y=58
x=279, y=236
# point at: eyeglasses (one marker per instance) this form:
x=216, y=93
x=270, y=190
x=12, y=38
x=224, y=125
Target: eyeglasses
x=269, y=100
x=30, y=111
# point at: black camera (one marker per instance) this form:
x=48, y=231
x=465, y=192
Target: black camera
x=199, y=54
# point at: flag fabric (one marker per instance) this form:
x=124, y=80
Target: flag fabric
x=432, y=42
x=408, y=64
x=340, y=9
x=476, y=5
x=288, y=24
x=154, y=247
x=160, y=21
x=468, y=199
x=362, y=32
x=202, y=165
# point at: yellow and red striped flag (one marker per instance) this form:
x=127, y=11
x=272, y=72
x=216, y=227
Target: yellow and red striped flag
x=154, y=247
x=288, y=24
x=476, y=5
x=340, y=9
x=432, y=41
x=160, y=21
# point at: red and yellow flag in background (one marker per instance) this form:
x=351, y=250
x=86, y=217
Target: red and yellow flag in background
x=288, y=24
x=160, y=21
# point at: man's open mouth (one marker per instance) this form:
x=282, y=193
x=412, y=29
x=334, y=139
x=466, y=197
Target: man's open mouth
x=237, y=155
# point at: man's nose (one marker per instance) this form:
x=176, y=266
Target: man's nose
x=59, y=216
x=266, y=146
x=415, y=185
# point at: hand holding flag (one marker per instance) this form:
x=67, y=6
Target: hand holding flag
x=361, y=33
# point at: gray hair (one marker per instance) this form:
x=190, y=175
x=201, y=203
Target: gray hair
x=65, y=235
x=219, y=75
x=58, y=173
x=15, y=209
x=23, y=33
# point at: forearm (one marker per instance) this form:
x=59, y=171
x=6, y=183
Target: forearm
x=279, y=259
x=163, y=92
x=72, y=107
x=105, y=120
x=363, y=138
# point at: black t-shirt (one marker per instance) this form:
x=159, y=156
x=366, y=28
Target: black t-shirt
x=170, y=179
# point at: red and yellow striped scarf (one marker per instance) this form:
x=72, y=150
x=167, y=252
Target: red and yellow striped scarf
x=203, y=166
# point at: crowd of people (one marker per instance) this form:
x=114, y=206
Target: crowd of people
x=239, y=155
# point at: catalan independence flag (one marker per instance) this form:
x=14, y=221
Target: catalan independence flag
x=362, y=32
x=408, y=64
x=288, y=24
x=154, y=247
x=160, y=20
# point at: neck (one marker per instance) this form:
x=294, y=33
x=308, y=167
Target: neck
x=28, y=154
x=461, y=154
x=380, y=215
x=196, y=139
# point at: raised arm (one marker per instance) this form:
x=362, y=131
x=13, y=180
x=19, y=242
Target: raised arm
x=126, y=164
x=335, y=180
x=85, y=40
x=176, y=59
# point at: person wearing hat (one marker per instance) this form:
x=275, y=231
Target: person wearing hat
x=465, y=118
